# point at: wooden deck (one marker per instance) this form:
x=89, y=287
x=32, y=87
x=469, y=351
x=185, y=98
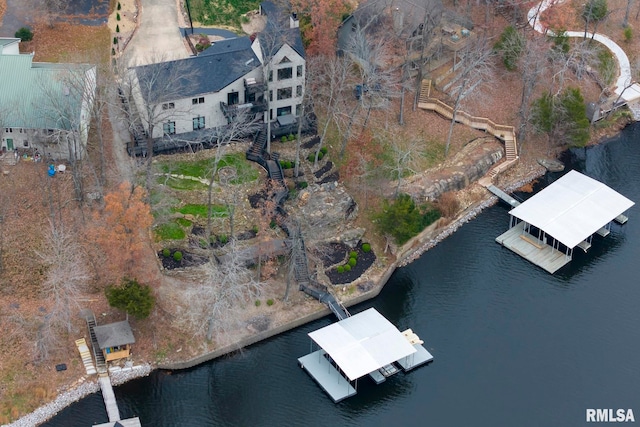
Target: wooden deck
x=85, y=355
x=532, y=249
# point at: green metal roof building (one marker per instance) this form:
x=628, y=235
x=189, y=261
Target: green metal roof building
x=44, y=106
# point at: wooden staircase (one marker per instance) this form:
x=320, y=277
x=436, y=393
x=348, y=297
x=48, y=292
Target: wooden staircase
x=85, y=355
x=503, y=132
x=101, y=364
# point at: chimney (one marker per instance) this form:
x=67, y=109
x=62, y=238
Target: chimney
x=293, y=21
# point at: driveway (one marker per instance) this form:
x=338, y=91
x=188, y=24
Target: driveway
x=158, y=36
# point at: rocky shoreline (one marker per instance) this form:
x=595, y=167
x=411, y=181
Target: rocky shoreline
x=74, y=394
x=84, y=389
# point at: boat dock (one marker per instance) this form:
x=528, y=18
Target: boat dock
x=365, y=344
x=112, y=406
x=532, y=249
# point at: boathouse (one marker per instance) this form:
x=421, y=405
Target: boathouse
x=115, y=339
x=360, y=345
x=546, y=228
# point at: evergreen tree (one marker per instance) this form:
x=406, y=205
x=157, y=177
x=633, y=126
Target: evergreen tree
x=132, y=297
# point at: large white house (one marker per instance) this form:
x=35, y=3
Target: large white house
x=261, y=76
x=44, y=107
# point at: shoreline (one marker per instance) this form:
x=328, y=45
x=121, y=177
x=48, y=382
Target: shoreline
x=410, y=252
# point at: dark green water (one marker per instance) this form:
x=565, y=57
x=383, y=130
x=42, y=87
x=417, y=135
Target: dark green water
x=513, y=345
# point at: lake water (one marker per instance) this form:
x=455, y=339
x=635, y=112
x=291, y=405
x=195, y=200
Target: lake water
x=513, y=345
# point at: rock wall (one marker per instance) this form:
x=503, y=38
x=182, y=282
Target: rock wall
x=471, y=164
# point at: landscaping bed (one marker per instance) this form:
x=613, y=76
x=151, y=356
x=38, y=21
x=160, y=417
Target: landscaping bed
x=364, y=260
x=171, y=260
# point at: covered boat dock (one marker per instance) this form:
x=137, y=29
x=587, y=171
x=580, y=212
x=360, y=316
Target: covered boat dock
x=547, y=228
x=357, y=346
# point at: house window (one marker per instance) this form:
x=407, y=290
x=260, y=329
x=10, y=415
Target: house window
x=284, y=93
x=270, y=95
x=233, y=98
x=195, y=101
x=284, y=111
x=285, y=60
x=298, y=109
x=285, y=73
x=169, y=128
x=25, y=144
x=270, y=75
x=168, y=105
x=299, y=71
x=271, y=114
x=299, y=90
x=198, y=123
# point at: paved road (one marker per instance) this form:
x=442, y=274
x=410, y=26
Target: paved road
x=158, y=36
x=625, y=78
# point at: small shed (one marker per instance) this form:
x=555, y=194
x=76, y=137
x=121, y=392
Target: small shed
x=115, y=340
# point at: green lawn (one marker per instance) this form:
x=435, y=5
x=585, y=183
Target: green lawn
x=201, y=210
x=221, y=12
x=202, y=168
x=170, y=231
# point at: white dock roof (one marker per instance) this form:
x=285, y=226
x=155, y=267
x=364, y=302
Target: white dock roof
x=362, y=343
x=572, y=208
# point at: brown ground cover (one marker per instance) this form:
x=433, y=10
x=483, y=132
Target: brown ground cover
x=3, y=8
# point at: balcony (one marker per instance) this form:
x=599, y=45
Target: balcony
x=253, y=86
x=232, y=111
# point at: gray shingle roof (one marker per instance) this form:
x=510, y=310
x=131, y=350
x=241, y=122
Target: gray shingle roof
x=277, y=30
x=227, y=45
x=212, y=72
x=114, y=334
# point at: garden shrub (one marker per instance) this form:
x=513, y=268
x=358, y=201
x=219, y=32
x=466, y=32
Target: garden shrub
x=223, y=239
x=311, y=157
x=119, y=7
x=353, y=254
x=510, y=46
x=323, y=150
x=117, y=28
x=273, y=224
x=113, y=52
x=258, y=302
x=320, y=155
x=166, y=252
x=353, y=262
x=366, y=247
x=270, y=302
x=115, y=40
x=303, y=184
x=284, y=138
x=340, y=269
x=347, y=267
x=402, y=219
x=177, y=256
x=291, y=137
x=24, y=34
x=628, y=34
x=117, y=16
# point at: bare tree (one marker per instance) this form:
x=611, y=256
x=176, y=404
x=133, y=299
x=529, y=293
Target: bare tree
x=211, y=308
x=532, y=64
x=476, y=67
x=66, y=274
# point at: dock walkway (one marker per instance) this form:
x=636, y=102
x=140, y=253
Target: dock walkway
x=502, y=195
x=109, y=398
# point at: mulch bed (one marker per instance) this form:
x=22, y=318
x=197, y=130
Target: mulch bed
x=332, y=177
x=365, y=260
x=313, y=141
x=188, y=260
x=326, y=168
x=331, y=253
